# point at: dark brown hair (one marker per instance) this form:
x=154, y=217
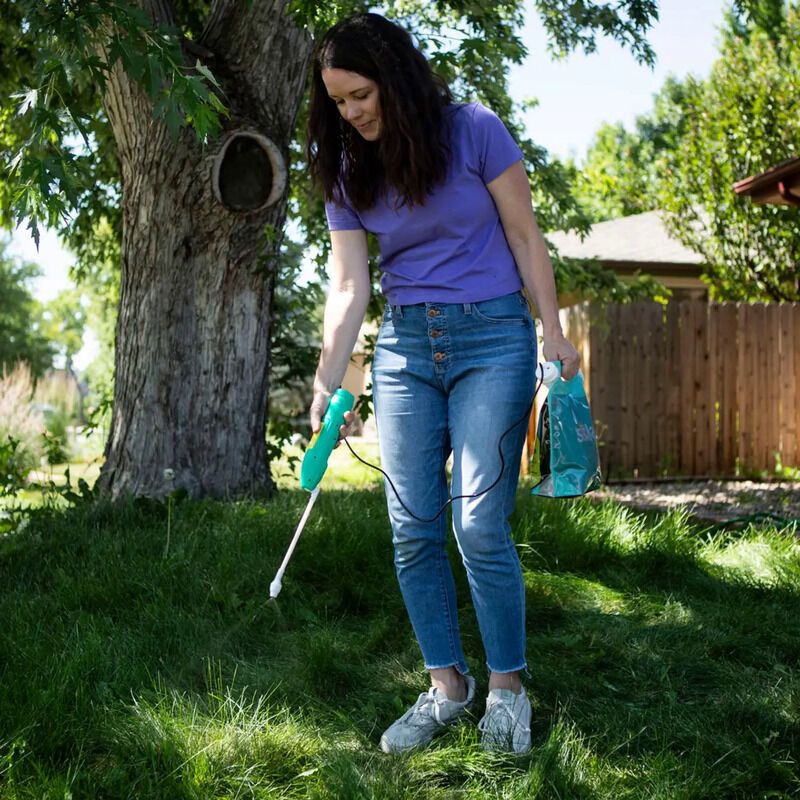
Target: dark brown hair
x=412, y=152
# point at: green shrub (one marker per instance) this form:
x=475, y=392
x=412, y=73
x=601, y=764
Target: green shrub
x=12, y=473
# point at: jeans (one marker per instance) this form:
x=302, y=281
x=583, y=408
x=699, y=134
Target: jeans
x=453, y=378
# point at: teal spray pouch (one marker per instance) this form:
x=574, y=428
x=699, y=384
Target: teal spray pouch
x=569, y=464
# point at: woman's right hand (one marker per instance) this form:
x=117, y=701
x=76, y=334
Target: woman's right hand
x=319, y=405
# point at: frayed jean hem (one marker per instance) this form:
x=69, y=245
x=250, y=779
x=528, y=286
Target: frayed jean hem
x=462, y=669
x=523, y=669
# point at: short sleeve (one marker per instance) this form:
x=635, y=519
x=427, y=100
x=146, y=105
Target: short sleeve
x=495, y=146
x=341, y=215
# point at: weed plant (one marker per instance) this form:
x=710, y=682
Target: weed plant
x=663, y=659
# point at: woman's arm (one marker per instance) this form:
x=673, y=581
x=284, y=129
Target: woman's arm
x=512, y=196
x=348, y=294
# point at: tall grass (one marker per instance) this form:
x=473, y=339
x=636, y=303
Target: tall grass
x=663, y=659
x=18, y=418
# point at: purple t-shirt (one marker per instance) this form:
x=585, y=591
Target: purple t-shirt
x=453, y=249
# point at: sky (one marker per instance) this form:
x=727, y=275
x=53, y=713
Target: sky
x=575, y=97
x=578, y=94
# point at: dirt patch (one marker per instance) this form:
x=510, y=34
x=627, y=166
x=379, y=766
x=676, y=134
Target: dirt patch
x=717, y=501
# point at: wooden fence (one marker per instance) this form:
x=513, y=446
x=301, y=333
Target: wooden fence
x=693, y=388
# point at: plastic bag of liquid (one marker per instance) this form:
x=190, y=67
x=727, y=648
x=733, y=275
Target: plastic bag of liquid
x=569, y=464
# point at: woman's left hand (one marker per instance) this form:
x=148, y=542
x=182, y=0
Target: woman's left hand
x=558, y=348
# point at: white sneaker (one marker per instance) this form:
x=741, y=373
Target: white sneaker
x=428, y=717
x=506, y=725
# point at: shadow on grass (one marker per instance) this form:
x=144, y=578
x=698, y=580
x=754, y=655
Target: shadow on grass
x=655, y=671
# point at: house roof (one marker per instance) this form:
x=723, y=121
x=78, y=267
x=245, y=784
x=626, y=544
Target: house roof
x=641, y=239
x=779, y=184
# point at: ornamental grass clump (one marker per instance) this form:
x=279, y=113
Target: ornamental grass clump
x=19, y=420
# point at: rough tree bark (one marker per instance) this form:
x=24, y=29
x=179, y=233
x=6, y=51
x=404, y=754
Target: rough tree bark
x=192, y=338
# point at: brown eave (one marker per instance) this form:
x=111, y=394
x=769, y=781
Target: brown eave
x=656, y=269
x=779, y=184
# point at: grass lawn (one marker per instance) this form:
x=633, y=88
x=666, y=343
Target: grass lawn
x=664, y=662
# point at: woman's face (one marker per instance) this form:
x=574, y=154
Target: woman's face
x=357, y=99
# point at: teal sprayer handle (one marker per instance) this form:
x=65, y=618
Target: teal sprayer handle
x=315, y=461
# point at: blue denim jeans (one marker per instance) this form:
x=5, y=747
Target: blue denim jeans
x=453, y=378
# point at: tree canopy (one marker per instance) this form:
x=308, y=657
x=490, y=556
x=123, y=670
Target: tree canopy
x=702, y=135
x=62, y=168
x=64, y=323
x=621, y=173
x=742, y=120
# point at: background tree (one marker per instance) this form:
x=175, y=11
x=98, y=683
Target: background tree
x=742, y=120
x=621, y=173
x=21, y=334
x=121, y=109
x=64, y=320
x=64, y=324
x=702, y=136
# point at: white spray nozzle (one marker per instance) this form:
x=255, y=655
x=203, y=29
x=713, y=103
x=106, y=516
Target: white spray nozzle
x=276, y=586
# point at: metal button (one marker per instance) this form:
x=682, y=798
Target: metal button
x=436, y=334
x=433, y=312
x=438, y=356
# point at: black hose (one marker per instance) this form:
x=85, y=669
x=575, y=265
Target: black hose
x=494, y=483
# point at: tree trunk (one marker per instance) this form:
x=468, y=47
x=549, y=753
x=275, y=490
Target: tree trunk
x=192, y=340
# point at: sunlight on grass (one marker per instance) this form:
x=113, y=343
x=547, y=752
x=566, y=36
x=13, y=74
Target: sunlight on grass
x=758, y=557
x=751, y=560
x=215, y=744
x=674, y=612
x=572, y=591
x=88, y=470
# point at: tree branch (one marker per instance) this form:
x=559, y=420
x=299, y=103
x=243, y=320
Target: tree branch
x=217, y=16
x=252, y=38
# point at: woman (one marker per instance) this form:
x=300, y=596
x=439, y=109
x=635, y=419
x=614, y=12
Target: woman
x=443, y=188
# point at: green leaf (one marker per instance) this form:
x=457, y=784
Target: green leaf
x=206, y=73
x=28, y=100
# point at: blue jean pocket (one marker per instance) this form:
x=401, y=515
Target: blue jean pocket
x=510, y=309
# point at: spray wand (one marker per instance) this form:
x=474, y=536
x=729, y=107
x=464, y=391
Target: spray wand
x=315, y=462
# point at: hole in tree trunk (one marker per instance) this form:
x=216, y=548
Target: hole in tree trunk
x=249, y=172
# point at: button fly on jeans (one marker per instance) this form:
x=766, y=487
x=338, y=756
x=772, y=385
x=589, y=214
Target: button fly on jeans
x=433, y=312
x=439, y=356
x=436, y=334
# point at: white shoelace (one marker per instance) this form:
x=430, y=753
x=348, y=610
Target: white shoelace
x=491, y=722
x=423, y=711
